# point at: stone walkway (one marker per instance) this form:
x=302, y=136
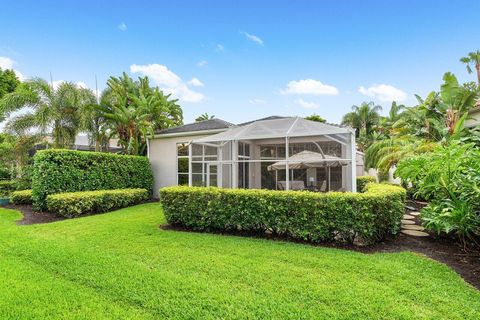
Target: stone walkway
x=411, y=225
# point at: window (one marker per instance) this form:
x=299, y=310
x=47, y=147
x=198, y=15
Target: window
x=243, y=166
x=182, y=164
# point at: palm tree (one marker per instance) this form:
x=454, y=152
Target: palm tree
x=203, y=117
x=363, y=118
x=473, y=59
x=134, y=110
x=48, y=111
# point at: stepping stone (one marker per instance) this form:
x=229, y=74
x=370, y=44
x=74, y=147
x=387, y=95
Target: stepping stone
x=408, y=221
x=408, y=217
x=413, y=227
x=415, y=233
x=410, y=208
x=414, y=213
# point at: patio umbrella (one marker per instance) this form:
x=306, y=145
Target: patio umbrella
x=308, y=159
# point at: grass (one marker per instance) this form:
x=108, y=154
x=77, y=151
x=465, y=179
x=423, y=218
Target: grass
x=121, y=265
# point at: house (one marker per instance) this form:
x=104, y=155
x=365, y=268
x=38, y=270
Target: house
x=280, y=153
x=473, y=119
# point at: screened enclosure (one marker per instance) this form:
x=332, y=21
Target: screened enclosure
x=279, y=154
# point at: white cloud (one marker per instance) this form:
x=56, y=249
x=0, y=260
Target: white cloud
x=309, y=86
x=219, y=48
x=195, y=82
x=305, y=104
x=122, y=26
x=8, y=63
x=383, y=92
x=202, y=63
x=257, y=101
x=168, y=81
x=252, y=37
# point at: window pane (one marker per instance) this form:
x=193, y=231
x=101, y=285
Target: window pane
x=182, y=149
x=182, y=165
x=183, y=179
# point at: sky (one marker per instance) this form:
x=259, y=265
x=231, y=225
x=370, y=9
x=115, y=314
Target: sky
x=243, y=60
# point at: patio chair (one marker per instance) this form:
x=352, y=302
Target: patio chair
x=322, y=186
x=297, y=185
x=281, y=185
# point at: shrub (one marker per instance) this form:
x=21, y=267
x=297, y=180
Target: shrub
x=362, y=181
x=6, y=187
x=74, y=204
x=60, y=171
x=449, y=177
x=21, y=197
x=304, y=215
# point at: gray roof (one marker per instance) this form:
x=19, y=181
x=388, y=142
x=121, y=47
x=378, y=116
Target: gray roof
x=211, y=124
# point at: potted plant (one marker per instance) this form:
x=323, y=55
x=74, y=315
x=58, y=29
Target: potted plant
x=4, y=198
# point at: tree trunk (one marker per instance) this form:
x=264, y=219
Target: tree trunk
x=477, y=66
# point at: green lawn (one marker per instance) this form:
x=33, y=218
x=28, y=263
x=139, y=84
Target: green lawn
x=121, y=265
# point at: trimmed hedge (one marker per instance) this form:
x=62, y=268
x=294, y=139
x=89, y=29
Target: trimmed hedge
x=7, y=186
x=60, y=171
x=21, y=197
x=317, y=217
x=362, y=181
x=74, y=204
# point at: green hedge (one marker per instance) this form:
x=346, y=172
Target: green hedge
x=7, y=186
x=74, y=204
x=317, y=217
x=60, y=171
x=362, y=181
x=21, y=197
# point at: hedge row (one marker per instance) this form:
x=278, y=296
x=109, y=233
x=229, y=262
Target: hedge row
x=7, y=186
x=317, y=217
x=60, y=171
x=362, y=182
x=21, y=197
x=76, y=204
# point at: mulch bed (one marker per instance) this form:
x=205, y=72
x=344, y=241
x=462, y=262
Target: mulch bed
x=31, y=216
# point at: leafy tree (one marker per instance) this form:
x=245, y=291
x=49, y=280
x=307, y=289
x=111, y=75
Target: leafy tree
x=472, y=60
x=203, y=117
x=8, y=83
x=316, y=117
x=48, y=111
x=134, y=110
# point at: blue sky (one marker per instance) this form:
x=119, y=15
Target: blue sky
x=241, y=60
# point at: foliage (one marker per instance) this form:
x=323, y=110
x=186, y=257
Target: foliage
x=74, y=204
x=450, y=178
x=8, y=83
x=363, y=119
x=362, y=182
x=6, y=187
x=21, y=197
x=57, y=112
x=472, y=59
x=310, y=216
x=134, y=110
x=204, y=116
x=60, y=171
x=315, y=117
x=122, y=265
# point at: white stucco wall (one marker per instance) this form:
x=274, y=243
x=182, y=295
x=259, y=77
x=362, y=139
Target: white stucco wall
x=474, y=118
x=162, y=153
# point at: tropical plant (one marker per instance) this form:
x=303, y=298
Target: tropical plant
x=203, y=117
x=472, y=60
x=449, y=177
x=8, y=81
x=363, y=119
x=48, y=111
x=134, y=111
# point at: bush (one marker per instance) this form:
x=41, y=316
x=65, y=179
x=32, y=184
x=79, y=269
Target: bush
x=6, y=187
x=60, y=171
x=449, y=178
x=362, y=181
x=74, y=204
x=304, y=215
x=21, y=197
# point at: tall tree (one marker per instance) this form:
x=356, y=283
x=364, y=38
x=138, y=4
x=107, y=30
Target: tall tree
x=135, y=110
x=203, y=117
x=47, y=111
x=8, y=84
x=363, y=118
x=472, y=60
